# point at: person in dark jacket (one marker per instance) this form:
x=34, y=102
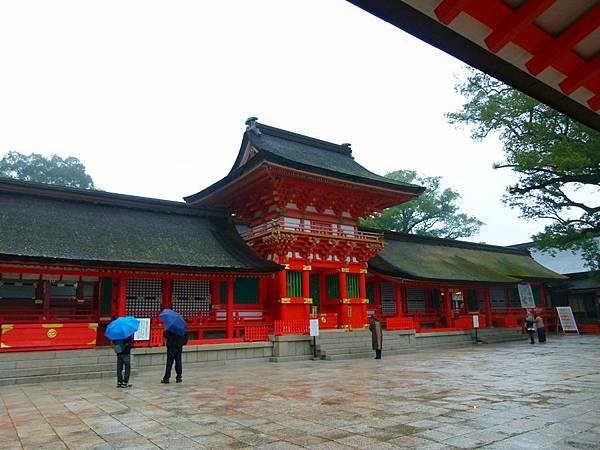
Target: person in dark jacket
x=175, y=343
x=376, y=336
x=529, y=326
x=123, y=349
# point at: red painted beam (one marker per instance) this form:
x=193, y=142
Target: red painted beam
x=565, y=41
x=594, y=102
x=584, y=73
x=516, y=23
x=447, y=10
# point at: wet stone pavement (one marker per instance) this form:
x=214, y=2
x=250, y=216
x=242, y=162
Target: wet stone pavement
x=504, y=396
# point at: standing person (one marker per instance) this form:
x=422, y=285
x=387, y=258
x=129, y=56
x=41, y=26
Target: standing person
x=529, y=321
x=376, y=336
x=175, y=343
x=539, y=326
x=123, y=351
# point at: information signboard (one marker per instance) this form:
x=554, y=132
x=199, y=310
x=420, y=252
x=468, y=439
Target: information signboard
x=526, y=295
x=143, y=332
x=567, y=320
x=314, y=327
x=475, y=321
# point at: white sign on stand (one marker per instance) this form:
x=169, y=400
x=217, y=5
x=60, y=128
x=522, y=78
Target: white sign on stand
x=475, y=321
x=526, y=295
x=314, y=327
x=143, y=332
x=567, y=320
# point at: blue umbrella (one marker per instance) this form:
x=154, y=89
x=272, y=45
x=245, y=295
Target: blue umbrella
x=121, y=328
x=173, y=322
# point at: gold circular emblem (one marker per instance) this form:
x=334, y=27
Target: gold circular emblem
x=323, y=319
x=51, y=333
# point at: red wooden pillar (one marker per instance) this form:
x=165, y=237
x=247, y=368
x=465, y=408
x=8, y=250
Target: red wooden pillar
x=343, y=286
x=282, y=284
x=398, y=298
x=543, y=296
x=215, y=293
x=122, y=298
x=229, y=310
x=488, y=306
x=448, y=307
x=377, y=293
x=362, y=286
x=167, y=294
x=305, y=283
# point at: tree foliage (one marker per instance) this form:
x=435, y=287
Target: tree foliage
x=557, y=161
x=433, y=213
x=53, y=170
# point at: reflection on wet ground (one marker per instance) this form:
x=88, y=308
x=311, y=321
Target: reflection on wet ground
x=504, y=396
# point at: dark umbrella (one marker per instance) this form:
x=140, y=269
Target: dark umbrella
x=173, y=322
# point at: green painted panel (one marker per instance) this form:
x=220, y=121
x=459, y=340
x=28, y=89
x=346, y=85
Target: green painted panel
x=315, y=289
x=371, y=292
x=352, y=286
x=294, y=284
x=245, y=291
x=472, y=300
x=333, y=286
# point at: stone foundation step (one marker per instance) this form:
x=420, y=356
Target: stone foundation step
x=369, y=354
x=290, y=358
x=56, y=370
x=62, y=377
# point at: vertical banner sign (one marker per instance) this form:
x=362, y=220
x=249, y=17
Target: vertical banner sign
x=143, y=332
x=475, y=321
x=567, y=320
x=314, y=327
x=526, y=296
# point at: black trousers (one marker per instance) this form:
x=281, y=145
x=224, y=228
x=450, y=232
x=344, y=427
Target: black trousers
x=173, y=355
x=123, y=368
x=541, y=332
x=377, y=354
x=531, y=333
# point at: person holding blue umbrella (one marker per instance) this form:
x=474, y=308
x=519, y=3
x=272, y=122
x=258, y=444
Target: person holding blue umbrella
x=176, y=337
x=120, y=331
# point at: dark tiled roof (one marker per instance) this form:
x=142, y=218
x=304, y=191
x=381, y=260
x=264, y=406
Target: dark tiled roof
x=423, y=258
x=102, y=228
x=303, y=153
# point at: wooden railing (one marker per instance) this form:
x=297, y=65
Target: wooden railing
x=283, y=327
x=280, y=224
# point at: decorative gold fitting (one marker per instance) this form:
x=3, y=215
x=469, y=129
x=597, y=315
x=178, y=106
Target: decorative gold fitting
x=285, y=300
x=345, y=269
x=308, y=300
x=286, y=266
x=365, y=300
x=52, y=325
x=6, y=327
x=306, y=267
x=345, y=301
x=363, y=270
x=51, y=333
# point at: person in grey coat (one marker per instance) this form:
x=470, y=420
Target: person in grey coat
x=376, y=336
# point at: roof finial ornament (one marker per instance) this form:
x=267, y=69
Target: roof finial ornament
x=251, y=125
x=347, y=146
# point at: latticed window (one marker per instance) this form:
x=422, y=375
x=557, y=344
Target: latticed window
x=144, y=297
x=294, y=284
x=191, y=298
x=352, y=285
x=333, y=286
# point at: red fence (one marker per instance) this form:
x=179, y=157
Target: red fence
x=282, y=327
x=253, y=333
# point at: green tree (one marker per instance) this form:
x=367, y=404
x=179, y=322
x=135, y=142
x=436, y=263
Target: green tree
x=433, y=213
x=557, y=161
x=53, y=170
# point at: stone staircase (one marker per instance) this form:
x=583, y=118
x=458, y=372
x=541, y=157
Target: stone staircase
x=333, y=345
x=62, y=365
x=499, y=335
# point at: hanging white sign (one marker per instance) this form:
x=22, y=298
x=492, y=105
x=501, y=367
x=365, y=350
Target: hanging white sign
x=143, y=332
x=314, y=327
x=526, y=295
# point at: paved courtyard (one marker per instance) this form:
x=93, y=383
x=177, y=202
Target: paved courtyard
x=504, y=396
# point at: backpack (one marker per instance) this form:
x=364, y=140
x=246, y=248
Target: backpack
x=118, y=347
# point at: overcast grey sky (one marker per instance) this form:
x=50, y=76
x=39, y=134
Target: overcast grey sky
x=152, y=95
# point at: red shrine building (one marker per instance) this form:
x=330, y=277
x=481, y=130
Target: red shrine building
x=273, y=244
